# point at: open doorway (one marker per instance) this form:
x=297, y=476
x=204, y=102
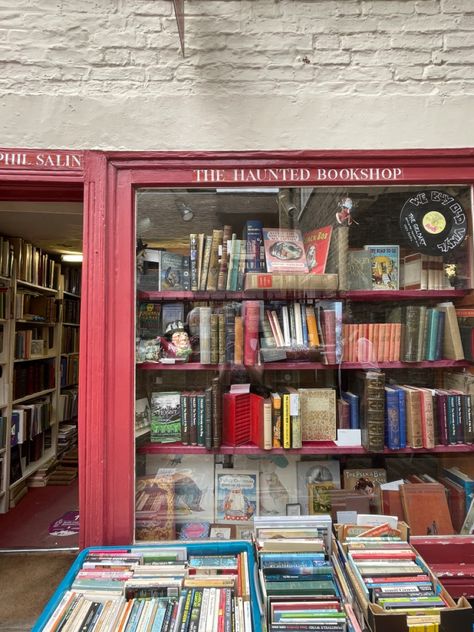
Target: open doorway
x=40, y=295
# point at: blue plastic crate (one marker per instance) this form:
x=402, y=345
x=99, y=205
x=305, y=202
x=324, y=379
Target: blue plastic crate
x=194, y=548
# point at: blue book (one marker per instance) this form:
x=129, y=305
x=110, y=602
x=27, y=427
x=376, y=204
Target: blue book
x=353, y=401
x=304, y=325
x=160, y=616
x=253, y=239
x=402, y=416
x=392, y=419
x=440, y=335
x=465, y=481
x=432, y=333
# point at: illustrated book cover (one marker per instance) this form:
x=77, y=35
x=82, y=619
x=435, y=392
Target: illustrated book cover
x=171, y=274
x=192, y=477
x=316, y=472
x=284, y=250
x=236, y=495
x=367, y=481
x=426, y=509
x=277, y=481
x=359, y=270
x=385, y=266
x=154, y=509
x=165, y=417
x=318, y=414
x=316, y=244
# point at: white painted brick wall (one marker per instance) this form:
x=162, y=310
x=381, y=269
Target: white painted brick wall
x=323, y=73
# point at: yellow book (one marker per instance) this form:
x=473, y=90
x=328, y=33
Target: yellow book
x=313, y=337
x=286, y=420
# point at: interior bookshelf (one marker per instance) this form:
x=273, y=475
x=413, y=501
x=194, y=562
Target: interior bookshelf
x=294, y=332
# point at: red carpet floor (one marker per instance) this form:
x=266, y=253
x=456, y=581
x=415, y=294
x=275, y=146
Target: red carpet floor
x=26, y=526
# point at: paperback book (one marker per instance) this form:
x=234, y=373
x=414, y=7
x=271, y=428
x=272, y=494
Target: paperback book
x=284, y=250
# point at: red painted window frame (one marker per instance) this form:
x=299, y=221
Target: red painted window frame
x=107, y=371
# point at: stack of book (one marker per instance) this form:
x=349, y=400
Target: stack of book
x=389, y=577
x=33, y=264
x=298, y=581
x=424, y=272
x=157, y=589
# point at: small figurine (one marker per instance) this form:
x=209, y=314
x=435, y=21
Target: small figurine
x=175, y=343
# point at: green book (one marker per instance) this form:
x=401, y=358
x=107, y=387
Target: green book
x=301, y=588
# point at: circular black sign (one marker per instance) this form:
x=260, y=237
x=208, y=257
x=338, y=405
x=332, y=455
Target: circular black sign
x=434, y=222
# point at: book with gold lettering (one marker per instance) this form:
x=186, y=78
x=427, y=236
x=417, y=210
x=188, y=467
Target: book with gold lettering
x=318, y=414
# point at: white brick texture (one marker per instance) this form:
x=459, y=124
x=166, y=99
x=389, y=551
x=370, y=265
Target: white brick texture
x=286, y=64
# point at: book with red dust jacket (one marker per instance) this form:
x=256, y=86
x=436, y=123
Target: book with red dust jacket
x=316, y=245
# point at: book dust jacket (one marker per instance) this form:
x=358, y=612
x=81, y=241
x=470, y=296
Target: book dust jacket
x=385, y=266
x=284, y=250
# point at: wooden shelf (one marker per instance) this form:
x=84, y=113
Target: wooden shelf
x=71, y=294
x=33, y=396
x=368, y=296
x=301, y=366
x=43, y=357
x=33, y=286
x=70, y=324
x=310, y=448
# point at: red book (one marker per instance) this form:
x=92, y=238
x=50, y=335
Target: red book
x=456, y=503
x=251, y=324
x=316, y=245
x=392, y=504
x=426, y=509
x=328, y=317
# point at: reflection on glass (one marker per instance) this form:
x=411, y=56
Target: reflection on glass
x=271, y=320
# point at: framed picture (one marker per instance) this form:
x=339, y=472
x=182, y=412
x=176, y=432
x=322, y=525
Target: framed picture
x=236, y=495
x=222, y=532
x=315, y=472
x=319, y=498
x=293, y=509
x=243, y=532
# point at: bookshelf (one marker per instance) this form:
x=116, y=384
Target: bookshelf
x=361, y=326
x=30, y=364
x=70, y=290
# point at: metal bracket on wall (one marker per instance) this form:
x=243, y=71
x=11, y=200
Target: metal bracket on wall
x=179, y=14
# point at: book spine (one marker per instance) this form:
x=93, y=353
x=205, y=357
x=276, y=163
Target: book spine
x=193, y=261
x=229, y=318
x=440, y=335
x=443, y=418
x=253, y=240
x=205, y=335
x=451, y=414
x=224, y=259
x=276, y=421
x=291, y=313
x=216, y=413
x=458, y=416
x=239, y=340
x=392, y=420
x=412, y=324
x=468, y=421
x=214, y=339
x=313, y=338
x=185, y=418
x=286, y=420
x=402, y=417
x=267, y=425
x=252, y=317
x=374, y=411
x=296, y=433
x=241, y=267
x=193, y=426
x=208, y=418
x=222, y=343
x=213, y=273
x=201, y=418
x=205, y=262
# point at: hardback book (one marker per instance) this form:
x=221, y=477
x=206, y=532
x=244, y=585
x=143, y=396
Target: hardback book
x=359, y=270
x=385, y=266
x=224, y=258
x=171, y=312
x=318, y=414
x=166, y=417
x=205, y=334
x=251, y=328
x=193, y=261
x=456, y=502
x=284, y=250
x=214, y=265
x=337, y=256
x=171, y=272
x=276, y=420
x=151, y=524
x=414, y=432
x=206, y=257
x=290, y=281
x=236, y=495
x=426, y=509
x=149, y=320
x=295, y=418
x=253, y=239
x=367, y=481
x=392, y=419
x=316, y=244
x=452, y=348
x=415, y=272
x=462, y=479
x=142, y=413
x=353, y=400
x=311, y=472
x=370, y=387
